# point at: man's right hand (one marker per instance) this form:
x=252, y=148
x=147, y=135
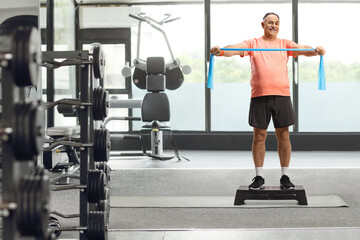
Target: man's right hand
x=215, y=50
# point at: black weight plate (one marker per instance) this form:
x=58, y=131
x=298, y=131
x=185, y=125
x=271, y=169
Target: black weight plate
x=102, y=184
x=18, y=58
x=37, y=123
x=105, y=104
x=104, y=167
x=27, y=129
x=27, y=207
x=27, y=55
x=100, y=104
x=16, y=136
x=98, y=61
x=20, y=141
x=96, y=145
x=90, y=186
x=11, y=24
x=95, y=106
x=37, y=207
x=93, y=186
x=174, y=78
x=108, y=144
x=139, y=78
x=42, y=203
x=97, y=228
x=102, y=145
x=91, y=226
x=28, y=134
x=21, y=201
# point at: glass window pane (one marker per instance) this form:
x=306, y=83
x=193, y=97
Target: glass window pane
x=186, y=38
x=232, y=24
x=115, y=61
x=118, y=125
x=336, y=108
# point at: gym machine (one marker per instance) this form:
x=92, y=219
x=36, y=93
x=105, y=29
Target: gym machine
x=25, y=193
x=156, y=76
x=173, y=73
x=93, y=145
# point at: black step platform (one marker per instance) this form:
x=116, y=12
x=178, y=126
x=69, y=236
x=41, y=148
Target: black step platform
x=270, y=193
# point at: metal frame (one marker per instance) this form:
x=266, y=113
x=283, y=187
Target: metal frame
x=86, y=125
x=295, y=65
x=111, y=36
x=207, y=60
x=50, y=86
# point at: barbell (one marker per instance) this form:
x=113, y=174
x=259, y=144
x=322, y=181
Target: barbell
x=97, y=226
x=99, y=105
x=95, y=187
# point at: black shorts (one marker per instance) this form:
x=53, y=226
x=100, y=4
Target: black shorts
x=277, y=107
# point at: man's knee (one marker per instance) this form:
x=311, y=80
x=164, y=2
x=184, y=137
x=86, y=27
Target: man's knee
x=259, y=135
x=282, y=134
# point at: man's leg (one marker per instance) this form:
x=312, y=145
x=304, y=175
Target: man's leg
x=284, y=145
x=258, y=152
x=284, y=150
x=258, y=146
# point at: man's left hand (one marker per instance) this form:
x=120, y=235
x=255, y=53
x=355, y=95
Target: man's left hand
x=320, y=50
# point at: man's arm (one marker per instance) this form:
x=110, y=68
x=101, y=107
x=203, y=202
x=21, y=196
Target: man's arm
x=217, y=52
x=319, y=51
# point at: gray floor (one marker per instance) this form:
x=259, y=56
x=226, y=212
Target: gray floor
x=219, y=173
x=241, y=160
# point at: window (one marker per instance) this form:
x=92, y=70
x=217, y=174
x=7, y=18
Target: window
x=336, y=108
x=186, y=37
x=231, y=24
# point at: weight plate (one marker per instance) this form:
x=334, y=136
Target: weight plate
x=100, y=104
x=28, y=136
x=98, y=60
x=105, y=104
x=19, y=148
x=24, y=205
x=92, y=186
x=27, y=56
x=107, y=144
x=21, y=201
x=102, y=145
x=95, y=105
x=37, y=123
x=97, y=226
x=42, y=203
x=104, y=167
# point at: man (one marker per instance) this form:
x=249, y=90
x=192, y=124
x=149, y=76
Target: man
x=270, y=94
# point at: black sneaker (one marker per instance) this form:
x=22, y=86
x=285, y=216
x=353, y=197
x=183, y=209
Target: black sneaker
x=258, y=183
x=285, y=183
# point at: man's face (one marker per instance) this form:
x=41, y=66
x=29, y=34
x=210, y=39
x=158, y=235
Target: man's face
x=271, y=25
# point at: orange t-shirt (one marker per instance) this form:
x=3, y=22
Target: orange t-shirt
x=269, y=74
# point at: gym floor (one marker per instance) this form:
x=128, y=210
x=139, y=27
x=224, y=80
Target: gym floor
x=219, y=173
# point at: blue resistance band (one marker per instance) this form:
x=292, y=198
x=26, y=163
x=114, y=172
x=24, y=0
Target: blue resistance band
x=321, y=73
